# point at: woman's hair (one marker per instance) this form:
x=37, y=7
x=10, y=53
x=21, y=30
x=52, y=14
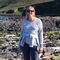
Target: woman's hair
x=30, y=6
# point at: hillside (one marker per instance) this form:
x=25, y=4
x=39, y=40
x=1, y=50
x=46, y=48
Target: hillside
x=13, y=4
x=43, y=7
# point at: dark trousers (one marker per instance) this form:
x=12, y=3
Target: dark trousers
x=30, y=53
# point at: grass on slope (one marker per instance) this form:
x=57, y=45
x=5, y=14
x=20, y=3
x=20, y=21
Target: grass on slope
x=21, y=3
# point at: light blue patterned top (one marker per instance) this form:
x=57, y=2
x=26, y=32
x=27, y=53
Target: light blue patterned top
x=31, y=32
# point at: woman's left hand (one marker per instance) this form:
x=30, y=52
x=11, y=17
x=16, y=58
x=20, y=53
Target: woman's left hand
x=41, y=50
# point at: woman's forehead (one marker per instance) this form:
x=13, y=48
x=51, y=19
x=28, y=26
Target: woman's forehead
x=31, y=8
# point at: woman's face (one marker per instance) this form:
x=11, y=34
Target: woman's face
x=30, y=12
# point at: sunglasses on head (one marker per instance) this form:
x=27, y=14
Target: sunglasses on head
x=30, y=10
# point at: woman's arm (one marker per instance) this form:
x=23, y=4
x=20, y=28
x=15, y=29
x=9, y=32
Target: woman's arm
x=40, y=34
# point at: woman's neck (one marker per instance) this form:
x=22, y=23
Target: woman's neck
x=30, y=19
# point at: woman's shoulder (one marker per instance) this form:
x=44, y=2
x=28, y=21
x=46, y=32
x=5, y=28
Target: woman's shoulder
x=38, y=20
x=23, y=20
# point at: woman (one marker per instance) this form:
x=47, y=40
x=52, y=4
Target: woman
x=31, y=35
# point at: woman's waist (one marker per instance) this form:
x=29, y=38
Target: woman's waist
x=29, y=35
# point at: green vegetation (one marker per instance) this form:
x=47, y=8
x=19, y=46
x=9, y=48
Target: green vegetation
x=17, y=3
x=16, y=12
x=56, y=57
x=2, y=34
x=52, y=33
x=2, y=58
x=4, y=3
x=53, y=36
